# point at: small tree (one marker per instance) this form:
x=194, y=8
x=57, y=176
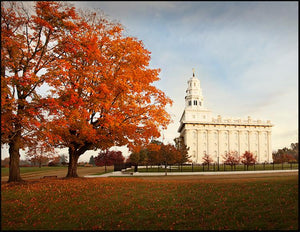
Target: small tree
x=103, y=159
x=138, y=157
x=207, y=160
x=40, y=153
x=168, y=155
x=107, y=158
x=231, y=158
x=153, y=152
x=5, y=162
x=183, y=150
x=55, y=160
x=92, y=160
x=63, y=159
x=248, y=159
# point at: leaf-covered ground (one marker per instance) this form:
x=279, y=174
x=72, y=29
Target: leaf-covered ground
x=145, y=204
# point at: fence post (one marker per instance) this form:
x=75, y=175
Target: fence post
x=264, y=165
x=273, y=165
x=214, y=167
x=192, y=167
x=224, y=166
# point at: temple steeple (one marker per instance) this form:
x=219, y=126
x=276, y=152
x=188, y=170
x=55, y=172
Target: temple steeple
x=194, y=98
x=195, y=110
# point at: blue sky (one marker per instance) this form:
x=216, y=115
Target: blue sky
x=244, y=53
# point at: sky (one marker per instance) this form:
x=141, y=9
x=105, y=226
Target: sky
x=245, y=55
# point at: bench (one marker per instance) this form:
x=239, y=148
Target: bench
x=49, y=177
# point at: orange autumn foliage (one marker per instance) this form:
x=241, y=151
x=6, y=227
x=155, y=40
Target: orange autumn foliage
x=102, y=91
x=29, y=44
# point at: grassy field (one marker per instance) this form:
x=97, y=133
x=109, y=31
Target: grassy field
x=268, y=203
x=29, y=173
x=5, y=171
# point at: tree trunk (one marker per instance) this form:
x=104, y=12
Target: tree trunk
x=72, y=168
x=14, y=160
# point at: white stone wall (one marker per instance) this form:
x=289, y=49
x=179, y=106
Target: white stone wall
x=217, y=139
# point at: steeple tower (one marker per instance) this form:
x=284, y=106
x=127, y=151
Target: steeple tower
x=194, y=98
x=195, y=110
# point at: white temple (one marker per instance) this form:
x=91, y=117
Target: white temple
x=204, y=134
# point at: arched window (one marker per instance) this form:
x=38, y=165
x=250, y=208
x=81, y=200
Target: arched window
x=199, y=103
x=190, y=103
x=195, y=102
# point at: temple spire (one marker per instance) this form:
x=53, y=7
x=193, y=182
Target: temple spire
x=193, y=72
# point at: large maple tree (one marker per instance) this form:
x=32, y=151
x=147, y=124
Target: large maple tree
x=29, y=45
x=102, y=91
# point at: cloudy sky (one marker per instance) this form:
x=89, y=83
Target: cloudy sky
x=244, y=53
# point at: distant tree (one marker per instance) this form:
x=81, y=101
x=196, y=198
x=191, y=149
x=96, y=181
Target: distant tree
x=295, y=150
x=231, y=158
x=92, y=160
x=117, y=157
x=5, y=162
x=138, y=157
x=55, y=160
x=25, y=163
x=63, y=159
x=168, y=155
x=40, y=153
x=103, y=159
x=248, y=159
x=153, y=154
x=207, y=160
x=107, y=158
x=183, y=150
x=286, y=154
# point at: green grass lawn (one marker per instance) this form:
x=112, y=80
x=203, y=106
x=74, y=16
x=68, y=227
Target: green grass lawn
x=5, y=171
x=138, y=204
